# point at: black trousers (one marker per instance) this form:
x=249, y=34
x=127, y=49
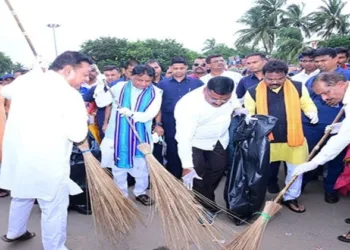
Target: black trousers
x=173, y=165
x=210, y=165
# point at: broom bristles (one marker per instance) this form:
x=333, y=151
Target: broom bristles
x=250, y=238
x=179, y=210
x=114, y=215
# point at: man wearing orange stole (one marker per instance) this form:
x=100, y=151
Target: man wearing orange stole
x=280, y=97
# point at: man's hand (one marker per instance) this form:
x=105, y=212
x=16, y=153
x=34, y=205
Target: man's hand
x=313, y=116
x=104, y=127
x=333, y=128
x=188, y=175
x=241, y=111
x=305, y=167
x=159, y=130
x=125, y=112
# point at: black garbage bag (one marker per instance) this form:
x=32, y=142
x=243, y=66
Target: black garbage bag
x=78, y=173
x=246, y=183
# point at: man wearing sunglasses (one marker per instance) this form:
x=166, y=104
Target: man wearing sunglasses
x=199, y=67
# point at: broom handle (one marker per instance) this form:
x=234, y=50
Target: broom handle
x=132, y=126
x=14, y=14
x=311, y=155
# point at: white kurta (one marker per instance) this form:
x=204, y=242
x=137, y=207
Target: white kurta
x=47, y=115
x=336, y=144
x=201, y=125
x=140, y=169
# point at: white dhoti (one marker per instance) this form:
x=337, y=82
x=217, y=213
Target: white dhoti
x=295, y=190
x=53, y=219
x=120, y=175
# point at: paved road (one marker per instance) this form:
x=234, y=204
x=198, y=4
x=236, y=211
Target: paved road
x=314, y=230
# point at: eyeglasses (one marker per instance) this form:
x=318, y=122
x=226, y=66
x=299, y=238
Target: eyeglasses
x=197, y=64
x=216, y=101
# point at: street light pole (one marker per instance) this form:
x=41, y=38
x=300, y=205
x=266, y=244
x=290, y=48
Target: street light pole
x=54, y=26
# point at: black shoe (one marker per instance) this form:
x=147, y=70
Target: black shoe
x=81, y=209
x=347, y=220
x=331, y=197
x=145, y=200
x=273, y=188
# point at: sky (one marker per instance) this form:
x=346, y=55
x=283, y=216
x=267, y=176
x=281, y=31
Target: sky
x=190, y=22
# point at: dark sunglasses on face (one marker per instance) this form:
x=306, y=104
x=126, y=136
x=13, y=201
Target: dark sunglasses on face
x=197, y=64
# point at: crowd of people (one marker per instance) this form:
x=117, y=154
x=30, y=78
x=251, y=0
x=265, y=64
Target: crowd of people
x=188, y=117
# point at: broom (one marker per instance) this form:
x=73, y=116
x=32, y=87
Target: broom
x=113, y=215
x=179, y=211
x=250, y=238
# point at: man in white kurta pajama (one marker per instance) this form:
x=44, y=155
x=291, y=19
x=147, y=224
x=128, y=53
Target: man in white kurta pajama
x=38, y=140
x=140, y=101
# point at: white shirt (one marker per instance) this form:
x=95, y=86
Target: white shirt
x=105, y=98
x=47, y=115
x=303, y=77
x=236, y=77
x=337, y=143
x=201, y=125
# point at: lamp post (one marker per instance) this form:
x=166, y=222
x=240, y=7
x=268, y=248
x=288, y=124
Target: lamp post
x=54, y=26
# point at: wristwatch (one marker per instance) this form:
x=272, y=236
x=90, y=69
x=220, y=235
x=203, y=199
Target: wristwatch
x=159, y=124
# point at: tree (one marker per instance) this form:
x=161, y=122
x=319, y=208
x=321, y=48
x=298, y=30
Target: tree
x=213, y=48
x=262, y=21
x=105, y=50
x=294, y=17
x=290, y=43
x=111, y=50
x=209, y=44
x=5, y=64
x=336, y=41
x=329, y=20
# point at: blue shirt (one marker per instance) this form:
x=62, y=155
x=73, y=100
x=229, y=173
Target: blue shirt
x=326, y=113
x=122, y=79
x=173, y=91
x=245, y=83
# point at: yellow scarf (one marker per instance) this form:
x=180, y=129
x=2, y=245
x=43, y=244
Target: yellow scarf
x=295, y=134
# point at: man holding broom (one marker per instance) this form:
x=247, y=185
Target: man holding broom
x=332, y=87
x=203, y=117
x=140, y=101
x=279, y=97
x=37, y=147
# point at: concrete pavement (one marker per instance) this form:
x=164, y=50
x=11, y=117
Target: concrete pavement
x=316, y=229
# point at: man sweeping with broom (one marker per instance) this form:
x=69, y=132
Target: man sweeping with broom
x=37, y=147
x=140, y=101
x=332, y=87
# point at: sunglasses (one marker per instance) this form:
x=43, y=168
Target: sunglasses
x=197, y=64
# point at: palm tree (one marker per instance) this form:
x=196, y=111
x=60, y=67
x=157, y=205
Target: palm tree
x=209, y=44
x=262, y=21
x=258, y=31
x=294, y=17
x=290, y=43
x=329, y=20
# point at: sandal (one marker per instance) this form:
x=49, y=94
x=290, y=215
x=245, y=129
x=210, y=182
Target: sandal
x=26, y=236
x=4, y=193
x=347, y=220
x=291, y=204
x=345, y=237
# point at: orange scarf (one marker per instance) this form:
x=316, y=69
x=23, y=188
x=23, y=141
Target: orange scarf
x=295, y=134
